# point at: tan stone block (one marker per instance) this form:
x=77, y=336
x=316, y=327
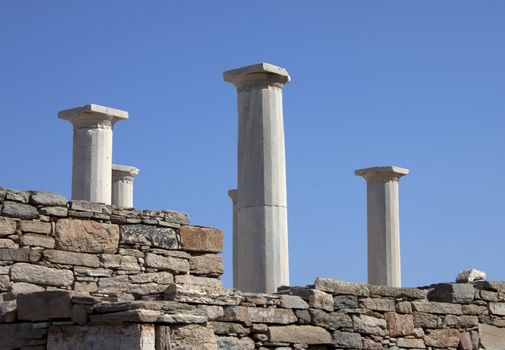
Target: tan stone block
x=299, y=334
x=193, y=337
x=442, y=338
x=377, y=304
x=35, y=226
x=8, y=243
x=167, y=263
x=206, y=264
x=86, y=236
x=36, y=240
x=399, y=325
x=42, y=275
x=201, y=239
x=198, y=281
x=7, y=226
x=258, y=315
x=70, y=258
x=410, y=343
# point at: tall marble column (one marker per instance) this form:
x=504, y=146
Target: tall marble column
x=383, y=224
x=233, y=196
x=92, y=150
x=122, y=185
x=262, y=234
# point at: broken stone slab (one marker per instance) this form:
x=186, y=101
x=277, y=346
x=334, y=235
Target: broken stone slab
x=86, y=236
x=340, y=287
x=71, y=258
x=452, y=293
x=187, y=293
x=47, y=198
x=469, y=276
x=17, y=196
x=44, y=306
x=19, y=210
x=299, y=334
x=22, y=272
x=201, y=239
x=162, y=237
x=7, y=226
x=127, y=336
x=316, y=298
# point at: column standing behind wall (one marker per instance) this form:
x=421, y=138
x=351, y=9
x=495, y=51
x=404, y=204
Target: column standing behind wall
x=92, y=150
x=122, y=185
x=233, y=196
x=262, y=251
x=383, y=224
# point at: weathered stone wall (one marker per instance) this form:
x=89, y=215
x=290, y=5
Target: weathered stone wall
x=47, y=243
x=84, y=276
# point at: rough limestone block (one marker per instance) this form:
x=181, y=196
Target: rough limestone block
x=44, y=306
x=410, y=343
x=316, y=298
x=493, y=286
x=115, y=285
x=452, y=293
x=201, y=239
x=17, y=196
x=86, y=236
x=425, y=320
x=193, y=337
x=41, y=275
x=25, y=288
x=70, y=258
x=369, y=325
x=161, y=237
x=394, y=292
x=497, y=309
x=293, y=302
x=36, y=240
x=347, y=340
x=377, y=304
x=35, y=226
x=258, y=315
x=226, y=328
x=8, y=243
x=102, y=337
x=235, y=343
x=187, y=293
x=18, y=254
x=167, y=263
x=464, y=321
x=492, y=337
x=206, y=264
x=437, y=308
x=339, y=287
x=198, y=281
x=48, y=198
x=19, y=210
x=7, y=226
x=153, y=277
x=4, y=283
x=399, y=325
x=442, y=338
x=330, y=320
x=299, y=334
x=54, y=211
x=176, y=217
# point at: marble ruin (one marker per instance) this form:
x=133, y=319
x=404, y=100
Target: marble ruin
x=93, y=273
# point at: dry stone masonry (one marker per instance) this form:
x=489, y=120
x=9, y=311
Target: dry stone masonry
x=81, y=276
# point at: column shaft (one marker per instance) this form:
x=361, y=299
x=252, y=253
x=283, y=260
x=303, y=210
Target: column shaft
x=122, y=185
x=262, y=233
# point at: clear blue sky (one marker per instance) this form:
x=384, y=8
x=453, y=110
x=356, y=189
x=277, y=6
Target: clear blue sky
x=418, y=84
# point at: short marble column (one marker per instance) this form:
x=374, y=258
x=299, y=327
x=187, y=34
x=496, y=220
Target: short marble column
x=122, y=185
x=383, y=224
x=262, y=234
x=233, y=196
x=92, y=150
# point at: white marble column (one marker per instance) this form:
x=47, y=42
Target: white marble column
x=92, y=150
x=233, y=196
x=262, y=234
x=383, y=224
x=122, y=185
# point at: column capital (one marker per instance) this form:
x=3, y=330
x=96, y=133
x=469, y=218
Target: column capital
x=124, y=172
x=382, y=173
x=257, y=74
x=233, y=195
x=93, y=115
